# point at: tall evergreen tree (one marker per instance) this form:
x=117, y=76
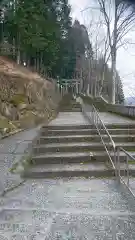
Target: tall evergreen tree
x=38, y=31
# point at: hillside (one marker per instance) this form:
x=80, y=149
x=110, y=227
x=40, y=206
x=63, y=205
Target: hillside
x=26, y=99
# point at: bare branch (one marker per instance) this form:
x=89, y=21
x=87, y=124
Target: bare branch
x=107, y=20
x=122, y=44
x=123, y=22
x=121, y=9
x=127, y=22
x=124, y=33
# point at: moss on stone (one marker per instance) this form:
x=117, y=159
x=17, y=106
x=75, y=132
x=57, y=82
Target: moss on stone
x=25, y=162
x=18, y=98
x=6, y=125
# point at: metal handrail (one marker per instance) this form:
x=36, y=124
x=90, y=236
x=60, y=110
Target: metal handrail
x=95, y=119
x=128, y=157
x=104, y=127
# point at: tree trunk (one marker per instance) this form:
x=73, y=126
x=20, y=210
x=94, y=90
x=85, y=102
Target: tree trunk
x=91, y=86
x=113, y=78
x=18, y=56
x=113, y=55
x=28, y=62
x=102, y=80
x=38, y=62
x=88, y=89
x=89, y=75
x=35, y=63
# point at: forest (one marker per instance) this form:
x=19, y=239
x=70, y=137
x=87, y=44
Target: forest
x=43, y=36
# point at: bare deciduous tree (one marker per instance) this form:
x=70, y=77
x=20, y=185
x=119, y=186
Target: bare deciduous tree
x=119, y=19
x=100, y=47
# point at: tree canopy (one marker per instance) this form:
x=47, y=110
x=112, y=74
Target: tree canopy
x=36, y=31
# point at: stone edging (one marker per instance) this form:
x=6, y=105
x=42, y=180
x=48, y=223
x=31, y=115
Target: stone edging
x=11, y=188
x=5, y=191
x=11, y=133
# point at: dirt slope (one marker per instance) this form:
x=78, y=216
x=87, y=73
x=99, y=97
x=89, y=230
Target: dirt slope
x=26, y=98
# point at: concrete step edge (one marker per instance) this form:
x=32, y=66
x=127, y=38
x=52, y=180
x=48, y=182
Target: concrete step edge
x=89, y=136
x=69, y=174
x=83, y=144
x=83, y=129
x=76, y=154
x=67, y=126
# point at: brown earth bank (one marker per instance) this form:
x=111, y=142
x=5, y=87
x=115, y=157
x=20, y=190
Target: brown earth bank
x=26, y=99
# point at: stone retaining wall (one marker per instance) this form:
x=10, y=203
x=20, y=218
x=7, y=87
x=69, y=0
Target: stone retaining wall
x=128, y=111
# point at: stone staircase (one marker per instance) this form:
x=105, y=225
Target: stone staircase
x=69, y=104
x=98, y=103
x=66, y=151
x=73, y=106
x=78, y=151
x=78, y=196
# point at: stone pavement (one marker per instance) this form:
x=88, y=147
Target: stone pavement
x=11, y=150
x=74, y=209
x=76, y=118
x=69, y=118
x=110, y=118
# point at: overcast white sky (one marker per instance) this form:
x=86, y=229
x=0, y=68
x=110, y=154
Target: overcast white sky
x=125, y=57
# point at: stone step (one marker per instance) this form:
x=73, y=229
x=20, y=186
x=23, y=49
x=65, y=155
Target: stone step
x=71, y=157
x=57, y=132
x=82, y=138
x=88, y=126
x=67, y=127
x=78, y=105
x=123, y=169
x=72, y=106
x=67, y=147
x=76, y=157
x=78, y=147
x=72, y=110
x=120, y=126
x=68, y=170
x=103, y=156
x=62, y=132
x=121, y=131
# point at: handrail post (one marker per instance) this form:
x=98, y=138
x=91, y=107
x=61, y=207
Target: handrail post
x=118, y=162
x=94, y=118
x=127, y=171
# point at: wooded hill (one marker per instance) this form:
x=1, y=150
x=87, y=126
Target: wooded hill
x=41, y=35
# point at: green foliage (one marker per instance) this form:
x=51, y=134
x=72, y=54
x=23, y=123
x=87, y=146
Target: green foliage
x=18, y=98
x=119, y=90
x=41, y=34
x=38, y=32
